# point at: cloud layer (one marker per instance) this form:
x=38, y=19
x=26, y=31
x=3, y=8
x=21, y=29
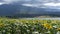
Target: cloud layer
x=35, y=3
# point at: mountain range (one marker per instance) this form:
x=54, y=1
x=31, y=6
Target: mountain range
x=25, y=11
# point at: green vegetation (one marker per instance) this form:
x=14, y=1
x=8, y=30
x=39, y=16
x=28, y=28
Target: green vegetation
x=23, y=26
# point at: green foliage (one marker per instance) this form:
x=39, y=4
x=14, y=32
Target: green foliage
x=21, y=26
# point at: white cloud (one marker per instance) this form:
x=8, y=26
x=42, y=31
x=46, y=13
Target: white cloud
x=52, y=4
x=31, y=5
x=27, y=5
x=1, y=3
x=44, y=5
x=10, y=1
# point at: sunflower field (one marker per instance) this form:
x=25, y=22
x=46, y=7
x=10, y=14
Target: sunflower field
x=23, y=26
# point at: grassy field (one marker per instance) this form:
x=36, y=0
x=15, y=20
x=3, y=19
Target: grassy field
x=24, y=26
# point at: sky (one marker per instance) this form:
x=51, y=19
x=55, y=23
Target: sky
x=55, y=4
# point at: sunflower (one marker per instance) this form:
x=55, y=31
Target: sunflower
x=58, y=29
x=1, y=24
x=47, y=26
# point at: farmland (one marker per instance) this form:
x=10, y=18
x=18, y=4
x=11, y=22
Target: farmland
x=29, y=26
